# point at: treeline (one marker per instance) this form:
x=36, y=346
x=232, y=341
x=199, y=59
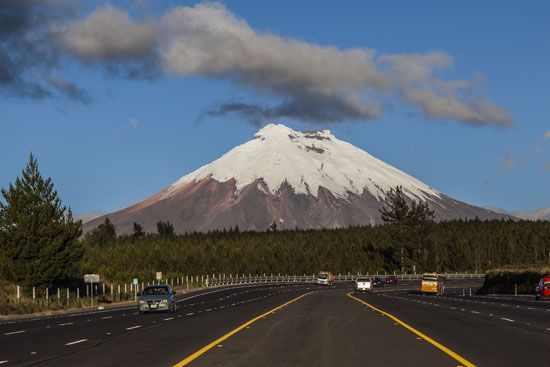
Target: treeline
x=41, y=244
x=449, y=246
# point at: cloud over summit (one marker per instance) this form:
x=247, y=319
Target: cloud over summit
x=300, y=80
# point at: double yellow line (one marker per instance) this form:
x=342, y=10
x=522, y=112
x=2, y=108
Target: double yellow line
x=464, y=362
x=201, y=351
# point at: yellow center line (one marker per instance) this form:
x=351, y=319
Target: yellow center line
x=440, y=346
x=218, y=341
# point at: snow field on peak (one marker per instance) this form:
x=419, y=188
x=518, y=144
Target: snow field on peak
x=306, y=161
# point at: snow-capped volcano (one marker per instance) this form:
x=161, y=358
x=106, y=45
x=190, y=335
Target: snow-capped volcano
x=293, y=178
x=306, y=161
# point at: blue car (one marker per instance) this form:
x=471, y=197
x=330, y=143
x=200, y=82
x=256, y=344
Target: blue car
x=160, y=297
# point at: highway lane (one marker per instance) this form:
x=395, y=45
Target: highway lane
x=486, y=333
x=524, y=314
x=325, y=328
x=124, y=335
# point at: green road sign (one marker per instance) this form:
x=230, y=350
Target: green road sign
x=135, y=281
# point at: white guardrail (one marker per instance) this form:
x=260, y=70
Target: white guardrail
x=222, y=279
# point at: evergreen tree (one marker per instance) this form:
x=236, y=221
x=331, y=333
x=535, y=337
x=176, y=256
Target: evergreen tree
x=411, y=224
x=165, y=228
x=102, y=234
x=397, y=210
x=138, y=230
x=38, y=236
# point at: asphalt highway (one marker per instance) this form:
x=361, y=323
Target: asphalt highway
x=294, y=325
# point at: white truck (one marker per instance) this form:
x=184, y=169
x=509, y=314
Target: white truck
x=363, y=284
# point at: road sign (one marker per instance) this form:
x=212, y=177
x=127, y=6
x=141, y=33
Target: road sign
x=91, y=278
x=135, y=281
x=159, y=275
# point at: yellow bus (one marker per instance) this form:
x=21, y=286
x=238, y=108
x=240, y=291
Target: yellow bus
x=431, y=283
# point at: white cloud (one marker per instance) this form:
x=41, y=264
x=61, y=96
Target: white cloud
x=134, y=122
x=109, y=34
x=309, y=82
x=546, y=135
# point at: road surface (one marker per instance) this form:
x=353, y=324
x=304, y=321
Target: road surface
x=294, y=325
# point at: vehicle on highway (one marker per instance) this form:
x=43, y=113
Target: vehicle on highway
x=543, y=288
x=378, y=282
x=431, y=283
x=391, y=280
x=325, y=278
x=160, y=297
x=363, y=284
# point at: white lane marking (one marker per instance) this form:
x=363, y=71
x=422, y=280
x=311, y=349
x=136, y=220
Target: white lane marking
x=2, y=362
x=189, y=314
x=474, y=312
x=453, y=308
x=77, y=341
x=67, y=323
x=208, y=309
x=133, y=327
x=106, y=317
x=168, y=319
x=109, y=333
x=33, y=353
x=15, y=332
x=548, y=328
x=505, y=319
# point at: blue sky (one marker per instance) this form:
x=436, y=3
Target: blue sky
x=135, y=136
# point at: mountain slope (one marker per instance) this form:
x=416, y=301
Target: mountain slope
x=296, y=179
x=539, y=214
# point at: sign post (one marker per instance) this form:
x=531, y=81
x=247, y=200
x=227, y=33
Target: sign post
x=91, y=278
x=158, y=276
x=136, y=282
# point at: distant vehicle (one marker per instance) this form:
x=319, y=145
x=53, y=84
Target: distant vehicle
x=325, y=278
x=363, y=285
x=391, y=280
x=159, y=297
x=543, y=288
x=378, y=282
x=431, y=283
